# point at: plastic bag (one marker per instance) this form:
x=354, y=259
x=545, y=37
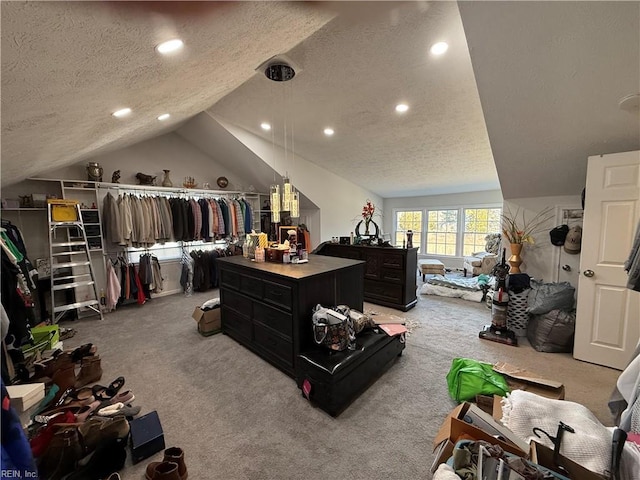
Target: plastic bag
x=468, y=378
x=545, y=297
x=552, y=332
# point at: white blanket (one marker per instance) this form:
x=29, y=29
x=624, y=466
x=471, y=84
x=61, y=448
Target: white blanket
x=428, y=289
x=589, y=446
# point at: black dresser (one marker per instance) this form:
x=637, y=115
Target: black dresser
x=389, y=274
x=267, y=307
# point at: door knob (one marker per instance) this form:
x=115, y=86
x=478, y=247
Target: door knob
x=589, y=273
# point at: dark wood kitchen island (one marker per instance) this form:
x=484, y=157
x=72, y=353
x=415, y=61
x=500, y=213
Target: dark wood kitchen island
x=267, y=307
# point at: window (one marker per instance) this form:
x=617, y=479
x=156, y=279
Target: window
x=442, y=232
x=478, y=223
x=452, y=231
x=409, y=220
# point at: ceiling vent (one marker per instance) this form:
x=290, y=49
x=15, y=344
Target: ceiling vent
x=279, y=68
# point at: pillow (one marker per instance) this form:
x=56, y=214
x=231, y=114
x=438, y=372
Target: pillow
x=493, y=242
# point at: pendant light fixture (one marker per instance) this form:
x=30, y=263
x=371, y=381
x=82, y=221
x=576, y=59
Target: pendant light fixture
x=280, y=71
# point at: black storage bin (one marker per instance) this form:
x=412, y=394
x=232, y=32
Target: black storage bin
x=337, y=378
x=92, y=230
x=90, y=216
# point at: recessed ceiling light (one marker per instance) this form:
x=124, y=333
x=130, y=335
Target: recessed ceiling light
x=265, y=126
x=439, y=48
x=170, y=46
x=123, y=112
x=328, y=132
x=402, y=107
x=164, y=116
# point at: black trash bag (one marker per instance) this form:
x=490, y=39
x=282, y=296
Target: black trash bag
x=552, y=332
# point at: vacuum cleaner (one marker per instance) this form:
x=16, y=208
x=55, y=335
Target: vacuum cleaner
x=498, y=331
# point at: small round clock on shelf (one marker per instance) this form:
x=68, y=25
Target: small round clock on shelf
x=222, y=182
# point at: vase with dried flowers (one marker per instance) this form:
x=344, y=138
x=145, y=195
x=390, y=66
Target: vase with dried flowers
x=368, y=211
x=518, y=231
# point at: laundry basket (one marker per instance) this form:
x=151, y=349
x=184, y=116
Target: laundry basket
x=517, y=316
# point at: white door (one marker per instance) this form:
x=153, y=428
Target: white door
x=608, y=313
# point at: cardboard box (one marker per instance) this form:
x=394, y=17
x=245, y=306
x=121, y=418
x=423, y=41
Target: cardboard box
x=521, y=379
x=544, y=456
x=25, y=396
x=209, y=321
x=469, y=422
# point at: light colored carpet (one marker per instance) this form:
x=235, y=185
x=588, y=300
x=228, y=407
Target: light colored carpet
x=237, y=417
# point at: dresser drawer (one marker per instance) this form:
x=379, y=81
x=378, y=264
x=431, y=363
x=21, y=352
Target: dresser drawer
x=230, y=279
x=279, y=295
x=235, y=301
x=280, y=321
x=237, y=323
x=273, y=343
x=383, y=291
x=392, y=260
x=251, y=286
x=392, y=275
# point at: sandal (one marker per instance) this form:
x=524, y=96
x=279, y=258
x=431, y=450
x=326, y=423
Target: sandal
x=108, y=392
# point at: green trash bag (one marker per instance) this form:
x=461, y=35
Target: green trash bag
x=468, y=378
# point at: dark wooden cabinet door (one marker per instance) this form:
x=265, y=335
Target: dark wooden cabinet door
x=373, y=266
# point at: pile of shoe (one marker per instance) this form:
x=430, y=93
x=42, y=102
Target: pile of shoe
x=79, y=432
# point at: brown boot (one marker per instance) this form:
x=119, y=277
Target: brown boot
x=173, y=454
x=90, y=371
x=64, y=378
x=47, y=368
x=97, y=430
x=163, y=471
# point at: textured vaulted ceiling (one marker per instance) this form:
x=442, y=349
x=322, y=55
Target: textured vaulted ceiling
x=353, y=74
x=544, y=76
x=67, y=65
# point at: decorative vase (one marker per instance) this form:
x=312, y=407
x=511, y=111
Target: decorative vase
x=515, y=260
x=409, y=239
x=94, y=172
x=166, y=181
x=367, y=227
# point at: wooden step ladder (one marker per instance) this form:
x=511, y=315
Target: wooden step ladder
x=70, y=260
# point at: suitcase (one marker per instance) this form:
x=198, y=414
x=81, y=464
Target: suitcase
x=332, y=380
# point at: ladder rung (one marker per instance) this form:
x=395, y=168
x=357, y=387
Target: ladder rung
x=74, y=252
x=67, y=244
x=66, y=224
x=71, y=306
x=71, y=277
x=70, y=264
x=65, y=286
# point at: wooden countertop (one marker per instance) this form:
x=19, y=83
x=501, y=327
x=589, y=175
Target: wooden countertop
x=317, y=265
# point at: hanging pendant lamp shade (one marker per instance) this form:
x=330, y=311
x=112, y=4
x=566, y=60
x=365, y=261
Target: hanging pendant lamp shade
x=286, y=194
x=295, y=205
x=275, y=203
